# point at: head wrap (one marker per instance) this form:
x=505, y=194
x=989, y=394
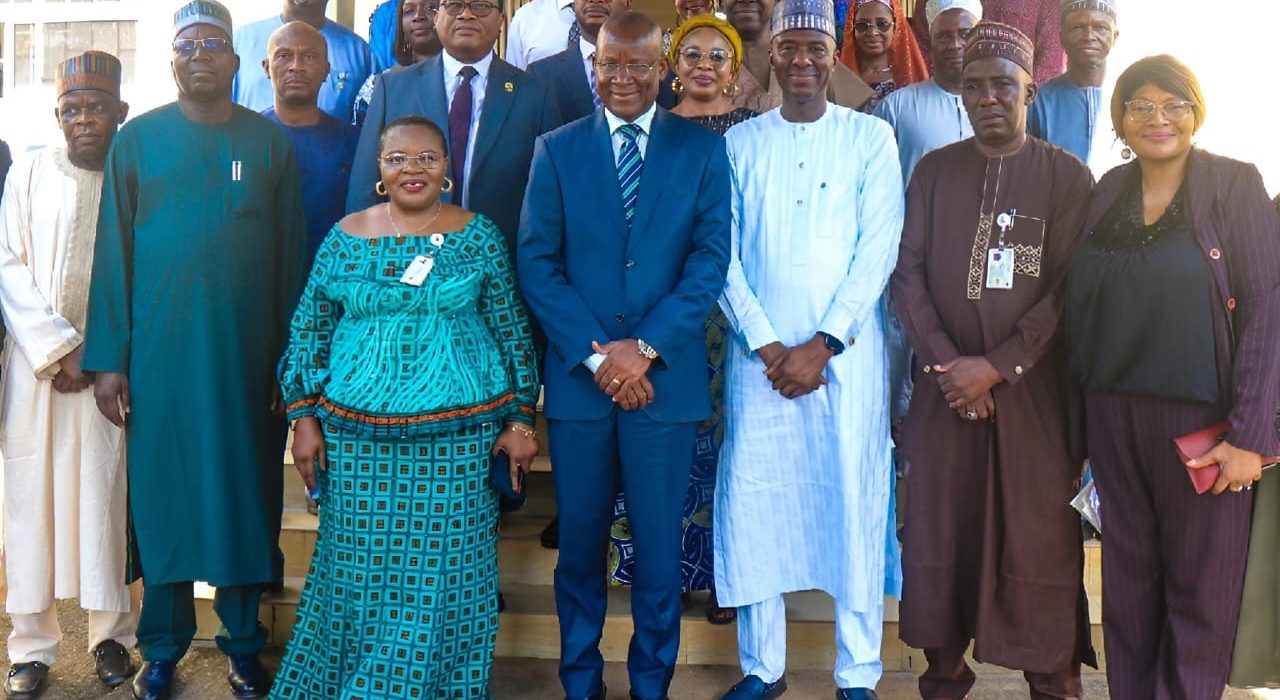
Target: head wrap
x=995, y=40
x=708, y=20
x=937, y=7
x=91, y=70
x=209, y=12
x=904, y=53
x=792, y=15
x=1107, y=6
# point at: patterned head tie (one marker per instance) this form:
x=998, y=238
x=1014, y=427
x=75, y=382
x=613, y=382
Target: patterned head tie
x=1107, y=6
x=937, y=7
x=995, y=40
x=209, y=12
x=711, y=21
x=793, y=15
x=859, y=3
x=91, y=70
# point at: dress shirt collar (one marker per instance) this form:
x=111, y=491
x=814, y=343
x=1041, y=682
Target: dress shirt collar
x=587, y=48
x=644, y=121
x=453, y=66
x=564, y=4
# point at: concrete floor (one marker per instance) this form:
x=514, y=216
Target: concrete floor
x=202, y=677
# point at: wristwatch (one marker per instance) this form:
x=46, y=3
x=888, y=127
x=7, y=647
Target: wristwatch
x=833, y=343
x=646, y=350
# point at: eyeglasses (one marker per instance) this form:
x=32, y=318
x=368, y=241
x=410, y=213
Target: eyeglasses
x=788, y=51
x=428, y=9
x=692, y=57
x=637, y=71
x=1142, y=111
x=213, y=44
x=70, y=114
x=479, y=8
x=428, y=160
x=863, y=26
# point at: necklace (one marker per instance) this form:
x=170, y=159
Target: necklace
x=401, y=234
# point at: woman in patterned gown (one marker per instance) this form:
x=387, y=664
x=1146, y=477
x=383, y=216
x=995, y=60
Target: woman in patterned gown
x=706, y=53
x=410, y=362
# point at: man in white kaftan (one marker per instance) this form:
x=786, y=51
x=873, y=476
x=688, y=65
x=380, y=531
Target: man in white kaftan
x=65, y=528
x=802, y=498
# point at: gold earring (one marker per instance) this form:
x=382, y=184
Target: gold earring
x=447, y=186
x=1126, y=153
x=731, y=90
x=677, y=86
x=380, y=189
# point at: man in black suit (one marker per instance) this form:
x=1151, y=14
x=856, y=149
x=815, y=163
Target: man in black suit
x=570, y=73
x=491, y=113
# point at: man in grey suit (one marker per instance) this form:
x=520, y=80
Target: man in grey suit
x=491, y=113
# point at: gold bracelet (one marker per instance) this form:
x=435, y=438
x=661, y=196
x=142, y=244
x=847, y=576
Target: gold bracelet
x=524, y=430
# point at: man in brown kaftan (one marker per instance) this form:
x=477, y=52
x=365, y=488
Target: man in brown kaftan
x=992, y=549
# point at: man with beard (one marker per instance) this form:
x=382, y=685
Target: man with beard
x=991, y=549
x=1073, y=110
x=198, y=264
x=64, y=503
x=323, y=145
x=757, y=89
x=803, y=490
x=351, y=61
x=570, y=73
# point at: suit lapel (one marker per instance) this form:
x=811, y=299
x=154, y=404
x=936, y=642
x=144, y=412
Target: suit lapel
x=603, y=177
x=499, y=96
x=433, y=101
x=659, y=158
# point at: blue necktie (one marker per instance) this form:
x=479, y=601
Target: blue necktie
x=591, y=82
x=630, y=163
x=575, y=33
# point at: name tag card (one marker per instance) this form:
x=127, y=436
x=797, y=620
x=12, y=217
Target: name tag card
x=1000, y=268
x=419, y=269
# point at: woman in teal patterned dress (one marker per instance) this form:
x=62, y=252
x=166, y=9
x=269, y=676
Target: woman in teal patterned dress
x=410, y=362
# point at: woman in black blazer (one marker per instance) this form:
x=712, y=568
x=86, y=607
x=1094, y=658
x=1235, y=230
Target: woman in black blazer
x=1173, y=317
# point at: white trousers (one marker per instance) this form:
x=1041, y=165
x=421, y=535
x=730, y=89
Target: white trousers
x=762, y=643
x=36, y=637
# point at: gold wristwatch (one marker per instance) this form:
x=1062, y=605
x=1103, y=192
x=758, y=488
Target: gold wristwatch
x=646, y=350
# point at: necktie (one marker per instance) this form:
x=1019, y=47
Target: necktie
x=575, y=33
x=460, y=129
x=591, y=81
x=630, y=163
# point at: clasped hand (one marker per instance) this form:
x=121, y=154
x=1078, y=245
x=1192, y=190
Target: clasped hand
x=70, y=379
x=966, y=382
x=796, y=371
x=623, y=374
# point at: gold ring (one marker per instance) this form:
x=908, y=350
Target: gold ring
x=971, y=415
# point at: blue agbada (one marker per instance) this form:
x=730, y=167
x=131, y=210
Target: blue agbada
x=197, y=267
x=350, y=64
x=324, y=151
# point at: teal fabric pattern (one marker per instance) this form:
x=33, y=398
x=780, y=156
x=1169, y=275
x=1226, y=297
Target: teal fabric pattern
x=381, y=358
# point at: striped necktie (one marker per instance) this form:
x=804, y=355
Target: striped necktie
x=591, y=82
x=575, y=33
x=630, y=163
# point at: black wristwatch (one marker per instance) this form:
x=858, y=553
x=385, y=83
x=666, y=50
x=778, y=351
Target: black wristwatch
x=833, y=343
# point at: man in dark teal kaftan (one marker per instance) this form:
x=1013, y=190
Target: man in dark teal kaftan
x=196, y=272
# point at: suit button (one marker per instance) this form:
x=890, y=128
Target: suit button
x=1017, y=370
x=928, y=369
x=852, y=341
x=1214, y=253
x=630, y=264
x=1231, y=304
x=619, y=318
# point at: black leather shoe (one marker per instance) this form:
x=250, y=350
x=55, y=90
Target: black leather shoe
x=550, y=538
x=26, y=681
x=154, y=681
x=112, y=662
x=753, y=688
x=856, y=694
x=247, y=677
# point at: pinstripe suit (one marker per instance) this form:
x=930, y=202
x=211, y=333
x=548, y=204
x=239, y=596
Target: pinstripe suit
x=1174, y=561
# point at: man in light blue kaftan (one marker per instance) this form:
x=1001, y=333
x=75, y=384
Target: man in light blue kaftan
x=802, y=499
x=1073, y=110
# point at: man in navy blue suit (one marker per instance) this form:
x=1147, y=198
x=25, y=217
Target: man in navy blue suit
x=490, y=111
x=570, y=73
x=624, y=247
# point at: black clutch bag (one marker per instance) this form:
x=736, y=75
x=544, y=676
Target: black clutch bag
x=500, y=478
